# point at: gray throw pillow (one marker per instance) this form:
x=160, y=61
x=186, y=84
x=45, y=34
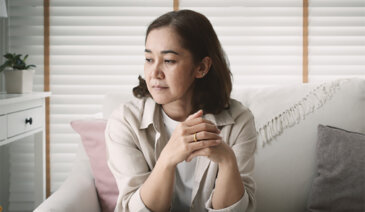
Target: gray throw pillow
x=340, y=181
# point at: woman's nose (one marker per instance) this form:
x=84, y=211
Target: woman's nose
x=157, y=71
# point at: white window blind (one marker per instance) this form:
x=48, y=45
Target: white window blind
x=25, y=36
x=336, y=39
x=263, y=39
x=95, y=46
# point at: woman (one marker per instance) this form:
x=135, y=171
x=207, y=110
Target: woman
x=184, y=145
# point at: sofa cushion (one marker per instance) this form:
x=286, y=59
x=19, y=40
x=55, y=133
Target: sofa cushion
x=277, y=108
x=91, y=132
x=285, y=168
x=339, y=183
x=113, y=99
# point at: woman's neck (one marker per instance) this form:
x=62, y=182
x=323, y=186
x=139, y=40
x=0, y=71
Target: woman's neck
x=178, y=110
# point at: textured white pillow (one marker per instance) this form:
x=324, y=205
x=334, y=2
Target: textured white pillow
x=285, y=167
x=113, y=99
x=276, y=108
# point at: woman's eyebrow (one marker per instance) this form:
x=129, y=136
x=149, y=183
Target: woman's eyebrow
x=163, y=52
x=169, y=51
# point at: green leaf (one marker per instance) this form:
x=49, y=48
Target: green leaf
x=15, y=61
x=30, y=66
x=6, y=64
x=8, y=56
x=25, y=58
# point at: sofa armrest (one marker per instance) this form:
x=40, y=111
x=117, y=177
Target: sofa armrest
x=77, y=193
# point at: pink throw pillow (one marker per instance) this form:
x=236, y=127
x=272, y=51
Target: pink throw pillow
x=92, y=136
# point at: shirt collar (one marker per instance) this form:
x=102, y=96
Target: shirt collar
x=152, y=115
x=221, y=119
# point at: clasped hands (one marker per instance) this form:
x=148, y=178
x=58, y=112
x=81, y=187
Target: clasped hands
x=182, y=146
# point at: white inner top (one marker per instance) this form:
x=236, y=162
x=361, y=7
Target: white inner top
x=184, y=174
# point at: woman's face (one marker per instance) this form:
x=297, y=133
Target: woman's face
x=169, y=69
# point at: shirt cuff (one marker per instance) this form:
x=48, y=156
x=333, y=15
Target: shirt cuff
x=239, y=206
x=136, y=203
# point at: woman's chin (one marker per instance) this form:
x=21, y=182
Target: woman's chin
x=161, y=100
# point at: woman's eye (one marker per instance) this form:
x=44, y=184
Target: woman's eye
x=170, y=61
x=148, y=60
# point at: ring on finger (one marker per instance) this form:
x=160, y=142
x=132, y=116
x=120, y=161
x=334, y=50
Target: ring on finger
x=195, y=138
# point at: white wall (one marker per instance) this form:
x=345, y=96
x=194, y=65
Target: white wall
x=3, y=48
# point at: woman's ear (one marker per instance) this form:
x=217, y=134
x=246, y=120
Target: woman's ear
x=203, y=67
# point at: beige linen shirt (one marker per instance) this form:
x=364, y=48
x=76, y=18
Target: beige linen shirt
x=135, y=136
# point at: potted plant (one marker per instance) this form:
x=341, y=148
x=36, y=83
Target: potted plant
x=18, y=75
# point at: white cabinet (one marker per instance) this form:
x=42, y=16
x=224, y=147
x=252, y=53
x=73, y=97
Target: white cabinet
x=22, y=121
x=23, y=115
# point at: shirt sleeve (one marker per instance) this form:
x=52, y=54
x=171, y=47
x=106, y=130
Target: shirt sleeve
x=241, y=205
x=126, y=162
x=244, y=146
x=244, y=149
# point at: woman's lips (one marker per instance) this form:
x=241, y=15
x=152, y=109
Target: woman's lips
x=159, y=87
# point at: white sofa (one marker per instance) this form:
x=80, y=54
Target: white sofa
x=285, y=165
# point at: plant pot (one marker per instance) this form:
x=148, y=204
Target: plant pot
x=19, y=81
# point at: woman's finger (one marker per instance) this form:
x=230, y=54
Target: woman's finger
x=197, y=120
x=199, y=136
x=199, y=113
x=195, y=146
x=203, y=127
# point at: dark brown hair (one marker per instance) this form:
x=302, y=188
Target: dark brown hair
x=212, y=92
